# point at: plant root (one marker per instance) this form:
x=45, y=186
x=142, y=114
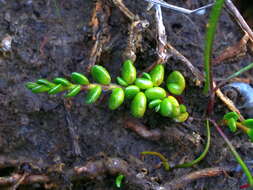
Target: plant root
x=72, y=131
x=188, y=178
x=233, y=52
x=170, y=135
x=143, y=131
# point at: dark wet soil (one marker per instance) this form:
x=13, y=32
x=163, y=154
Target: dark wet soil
x=54, y=38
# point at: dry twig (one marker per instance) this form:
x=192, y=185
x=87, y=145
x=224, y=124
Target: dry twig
x=100, y=29
x=161, y=40
x=135, y=31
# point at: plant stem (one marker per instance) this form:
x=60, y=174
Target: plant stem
x=242, y=127
x=104, y=87
x=211, y=28
x=163, y=159
x=248, y=67
x=204, y=153
x=236, y=155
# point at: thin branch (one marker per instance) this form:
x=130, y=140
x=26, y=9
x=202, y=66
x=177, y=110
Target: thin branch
x=239, y=19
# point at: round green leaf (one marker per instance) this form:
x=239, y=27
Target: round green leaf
x=143, y=83
x=166, y=108
x=157, y=74
x=58, y=88
x=119, y=180
x=138, y=105
x=154, y=103
x=232, y=124
x=176, y=83
x=74, y=91
x=116, y=98
x=248, y=123
x=93, y=94
x=155, y=93
x=121, y=82
x=62, y=81
x=100, y=75
x=79, y=78
x=131, y=91
x=128, y=72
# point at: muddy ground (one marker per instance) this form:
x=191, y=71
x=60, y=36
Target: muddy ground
x=54, y=38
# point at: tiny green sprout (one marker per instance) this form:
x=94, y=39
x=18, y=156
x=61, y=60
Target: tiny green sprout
x=62, y=81
x=146, y=76
x=230, y=119
x=128, y=72
x=100, y=75
x=118, y=180
x=116, y=98
x=157, y=74
x=131, y=91
x=176, y=83
x=121, y=82
x=93, y=94
x=155, y=93
x=79, y=78
x=143, y=83
x=154, y=103
x=138, y=105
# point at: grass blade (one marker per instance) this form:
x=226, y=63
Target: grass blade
x=210, y=33
x=236, y=155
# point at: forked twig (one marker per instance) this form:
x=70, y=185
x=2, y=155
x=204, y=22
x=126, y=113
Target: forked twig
x=161, y=40
x=135, y=31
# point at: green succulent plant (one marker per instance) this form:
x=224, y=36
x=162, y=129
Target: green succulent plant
x=144, y=92
x=231, y=120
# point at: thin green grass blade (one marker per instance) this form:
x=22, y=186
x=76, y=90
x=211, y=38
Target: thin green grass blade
x=203, y=154
x=235, y=154
x=210, y=33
